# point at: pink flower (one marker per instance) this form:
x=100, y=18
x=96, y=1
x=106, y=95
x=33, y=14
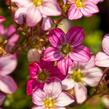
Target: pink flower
x=2, y=19
x=80, y=76
x=2, y=98
x=102, y=58
x=8, y=39
x=66, y=48
x=7, y=65
x=51, y=97
x=33, y=11
x=40, y=73
x=80, y=8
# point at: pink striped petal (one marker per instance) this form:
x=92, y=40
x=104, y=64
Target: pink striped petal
x=33, y=17
x=80, y=93
x=51, y=54
x=74, y=13
x=2, y=19
x=56, y=37
x=7, y=84
x=7, y=64
x=64, y=65
x=2, y=29
x=38, y=97
x=64, y=100
x=75, y=36
x=105, y=44
x=53, y=88
x=102, y=60
x=80, y=54
x=2, y=98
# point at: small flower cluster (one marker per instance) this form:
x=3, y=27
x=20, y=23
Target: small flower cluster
x=8, y=59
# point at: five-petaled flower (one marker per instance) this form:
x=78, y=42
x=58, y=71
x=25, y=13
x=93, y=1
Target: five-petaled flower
x=66, y=48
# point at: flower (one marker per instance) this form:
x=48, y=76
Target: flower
x=35, y=10
x=66, y=48
x=8, y=39
x=51, y=97
x=80, y=76
x=8, y=64
x=81, y=8
x=40, y=73
x=2, y=98
x=102, y=58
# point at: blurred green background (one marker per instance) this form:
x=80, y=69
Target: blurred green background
x=95, y=28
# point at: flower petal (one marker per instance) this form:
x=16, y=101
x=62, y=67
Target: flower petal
x=38, y=96
x=93, y=76
x=33, y=17
x=46, y=23
x=74, y=12
x=7, y=64
x=2, y=19
x=64, y=100
x=80, y=54
x=64, y=65
x=56, y=37
x=102, y=60
x=7, y=84
x=68, y=84
x=75, y=36
x=51, y=54
x=53, y=88
x=105, y=44
x=38, y=107
x=80, y=93
x=51, y=9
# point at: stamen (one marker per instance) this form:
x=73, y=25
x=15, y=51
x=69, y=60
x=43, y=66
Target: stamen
x=38, y=2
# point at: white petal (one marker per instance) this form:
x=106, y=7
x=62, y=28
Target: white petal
x=80, y=93
x=7, y=64
x=53, y=89
x=38, y=107
x=64, y=100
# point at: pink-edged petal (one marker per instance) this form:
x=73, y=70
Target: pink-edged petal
x=102, y=60
x=64, y=65
x=80, y=93
x=68, y=84
x=105, y=44
x=51, y=9
x=75, y=36
x=7, y=64
x=46, y=23
x=2, y=30
x=10, y=31
x=33, y=17
x=2, y=98
x=34, y=69
x=93, y=76
x=96, y=1
x=22, y=3
x=2, y=19
x=7, y=85
x=38, y=96
x=53, y=88
x=38, y=107
x=64, y=100
x=12, y=42
x=20, y=15
x=90, y=63
x=80, y=54
x=51, y=54
x=74, y=13
x=56, y=37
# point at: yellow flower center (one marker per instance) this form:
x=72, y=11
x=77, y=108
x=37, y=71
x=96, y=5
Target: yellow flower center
x=3, y=42
x=79, y=3
x=37, y=2
x=66, y=49
x=76, y=75
x=49, y=103
x=42, y=76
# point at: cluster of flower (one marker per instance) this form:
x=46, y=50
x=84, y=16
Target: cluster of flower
x=65, y=66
